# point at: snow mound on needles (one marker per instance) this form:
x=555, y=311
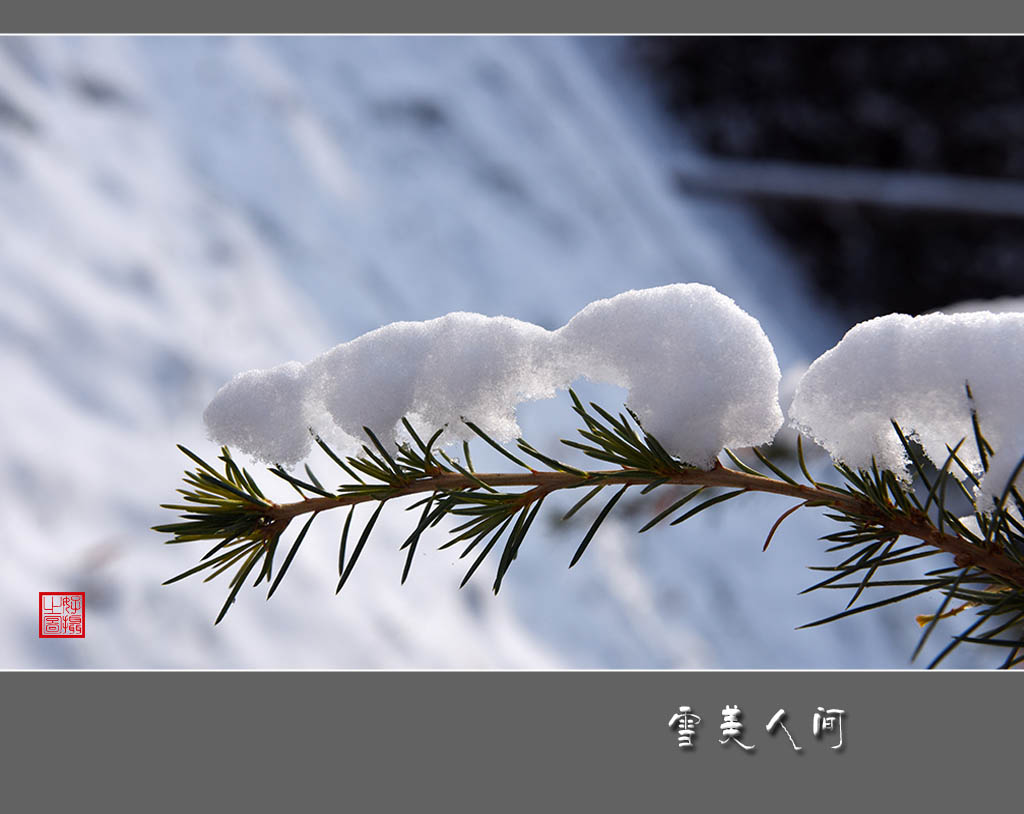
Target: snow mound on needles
x=915, y=371
x=701, y=375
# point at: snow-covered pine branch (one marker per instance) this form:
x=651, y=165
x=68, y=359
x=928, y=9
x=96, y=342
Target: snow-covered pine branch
x=896, y=393
x=701, y=375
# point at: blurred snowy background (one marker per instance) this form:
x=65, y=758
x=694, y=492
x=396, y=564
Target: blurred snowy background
x=176, y=210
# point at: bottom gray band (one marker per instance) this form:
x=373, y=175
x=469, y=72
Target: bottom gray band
x=479, y=740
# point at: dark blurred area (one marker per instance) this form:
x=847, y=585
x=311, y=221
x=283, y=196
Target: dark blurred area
x=946, y=106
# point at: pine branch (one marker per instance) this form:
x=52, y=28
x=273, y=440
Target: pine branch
x=874, y=508
x=860, y=510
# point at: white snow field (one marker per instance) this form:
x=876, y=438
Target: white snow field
x=176, y=210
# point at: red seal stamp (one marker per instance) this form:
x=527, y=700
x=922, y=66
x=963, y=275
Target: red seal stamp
x=61, y=615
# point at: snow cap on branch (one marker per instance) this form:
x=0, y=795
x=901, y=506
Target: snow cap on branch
x=263, y=412
x=700, y=371
x=436, y=372
x=914, y=370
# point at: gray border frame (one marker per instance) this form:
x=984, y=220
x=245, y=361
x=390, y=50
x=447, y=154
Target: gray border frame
x=460, y=16
x=127, y=740
x=504, y=741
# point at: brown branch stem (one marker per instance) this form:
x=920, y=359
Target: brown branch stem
x=989, y=559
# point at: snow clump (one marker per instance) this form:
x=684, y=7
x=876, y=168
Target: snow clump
x=436, y=372
x=700, y=371
x=914, y=370
x=263, y=412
